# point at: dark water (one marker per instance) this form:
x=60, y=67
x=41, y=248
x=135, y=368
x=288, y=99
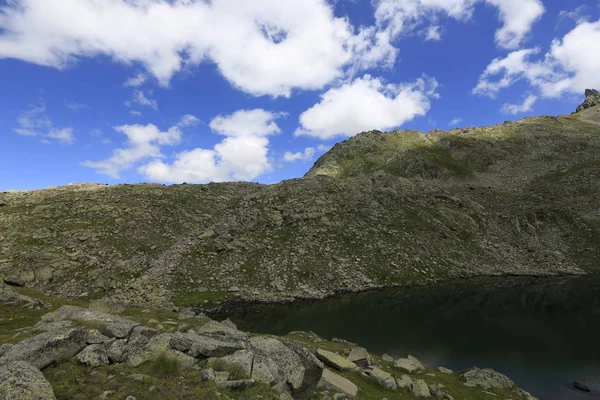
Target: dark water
x=542, y=333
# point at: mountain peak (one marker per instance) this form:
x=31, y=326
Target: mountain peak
x=592, y=98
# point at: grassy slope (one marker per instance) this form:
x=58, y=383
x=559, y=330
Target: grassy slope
x=400, y=207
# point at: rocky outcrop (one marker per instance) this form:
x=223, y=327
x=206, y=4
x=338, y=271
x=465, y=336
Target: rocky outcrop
x=332, y=381
x=47, y=348
x=22, y=381
x=205, y=346
x=487, y=379
x=11, y=297
x=592, y=99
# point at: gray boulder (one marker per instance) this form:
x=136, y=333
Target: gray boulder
x=335, y=360
x=339, y=384
x=82, y=314
x=93, y=356
x=206, y=346
x=51, y=326
x=214, y=328
x=157, y=345
x=117, y=352
x=22, y=381
x=383, y=378
x=285, y=363
x=409, y=364
x=95, y=337
x=10, y=297
x=313, y=371
x=487, y=379
x=140, y=336
x=419, y=388
x=241, y=360
x=48, y=348
x=360, y=357
x=119, y=329
x=405, y=382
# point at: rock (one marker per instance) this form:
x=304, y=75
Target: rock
x=12, y=298
x=409, y=364
x=338, y=384
x=48, y=348
x=405, y=382
x=139, y=377
x=199, y=345
x=241, y=360
x=487, y=379
x=140, y=336
x=284, y=362
x=360, y=357
x=93, y=356
x=107, y=306
x=157, y=345
x=22, y=381
x=117, y=352
x=130, y=398
x=581, y=386
x=229, y=323
x=592, y=98
x=51, y=326
x=335, y=361
x=106, y=394
x=14, y=281
x=119, y=330
x=4, y=348
x=387, y=358
x=233, y=289
x=419, y=388
x=436, y=390
x=445, y=370
x=385, y=379
x=214, y=328
x=95, y=337
x=208, y=374
x=313, y=371
x=81, y=314
x=240, y=384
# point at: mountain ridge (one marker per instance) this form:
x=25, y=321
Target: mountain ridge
x=379, y=209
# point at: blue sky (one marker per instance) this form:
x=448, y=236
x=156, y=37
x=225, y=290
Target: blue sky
x=183, y=90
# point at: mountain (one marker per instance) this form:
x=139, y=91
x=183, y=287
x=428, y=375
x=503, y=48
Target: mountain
x=379, y=209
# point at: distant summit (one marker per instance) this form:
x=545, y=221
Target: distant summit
x=592, y=98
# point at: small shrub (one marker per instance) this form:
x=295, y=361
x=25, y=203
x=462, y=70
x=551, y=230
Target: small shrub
x=165, y=365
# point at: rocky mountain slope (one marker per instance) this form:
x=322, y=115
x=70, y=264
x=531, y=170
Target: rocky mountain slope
x=378, y=209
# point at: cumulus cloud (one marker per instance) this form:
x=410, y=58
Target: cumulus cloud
x=364, y=104
x=455, y=121
x=306, y=155
x=135, y=113
x=143, y=142
x=188, y=120
x=404, y=16
x=35, y=122
x=260, y=46
x=524, y=107
x=241, y=155
x=570, y=66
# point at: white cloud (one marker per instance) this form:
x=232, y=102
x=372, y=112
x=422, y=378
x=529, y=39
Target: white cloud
x=455, y=121
x=140, y=98
x=570, y=66
x=306, y=155
x=578, y=15
x=136, y=81
x=526, y=106
x=518, y=17
x=35, y=122
x=366, y=103
x=433, y=33
x=189, y=120
x=135, y=113
x=241, y=155
x=260, y=46
x=143, y=142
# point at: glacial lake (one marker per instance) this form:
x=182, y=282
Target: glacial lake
x=544, y=333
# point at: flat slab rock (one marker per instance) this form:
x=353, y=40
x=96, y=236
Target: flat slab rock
x=335, y=360
x=20, y=380
x=332, y=381
x=48, y=348
x=82, y=314
x=409, y=364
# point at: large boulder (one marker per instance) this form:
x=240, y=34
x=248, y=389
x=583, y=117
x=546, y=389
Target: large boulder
x=487, y=379
x=360, y=357
x=284, y=362
x=313, y=371
x=241, y=360
x=335, y=360
x=140, y=336
x=118, y=351
x=82, y=314
x=419, y=388
x=10, y=297
x=214, y=328
x=48, y=348
x=206, y=346
x=93, y=356
x=157, y=345
x=339, y=384
x=119, y=329
x=382, y=377
x=409, y=364
x=22, y=381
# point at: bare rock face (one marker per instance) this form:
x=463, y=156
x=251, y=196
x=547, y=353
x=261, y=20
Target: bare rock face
x=592, y=98
x=487, y=379
x=20, y=380
x=48, y=348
